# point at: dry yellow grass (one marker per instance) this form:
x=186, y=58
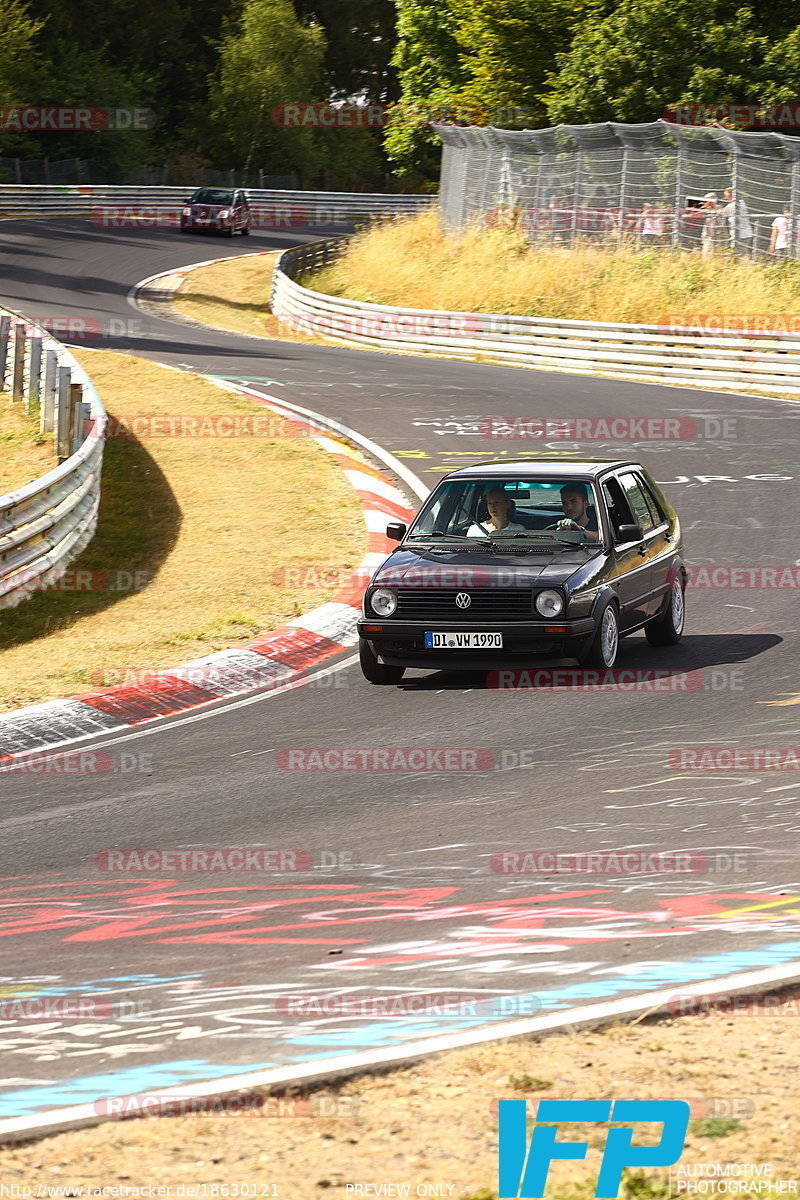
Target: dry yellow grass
x=232, y=295
x=435, y=1123
x=208, y=520
x=25, y=453
x=411, y=263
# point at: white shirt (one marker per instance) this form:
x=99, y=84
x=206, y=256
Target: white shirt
x=782, y=226
x=476, y=531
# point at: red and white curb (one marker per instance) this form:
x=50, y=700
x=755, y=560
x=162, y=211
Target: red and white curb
x=265, y=662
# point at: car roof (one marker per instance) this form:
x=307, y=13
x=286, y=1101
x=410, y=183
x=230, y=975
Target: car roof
x=557, y=467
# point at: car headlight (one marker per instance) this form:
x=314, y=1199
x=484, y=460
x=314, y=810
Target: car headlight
x=383, y=601
x=187, y=212
x=549, y=603
x=223, y=214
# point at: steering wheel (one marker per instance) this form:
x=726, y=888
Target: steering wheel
x=556, y=525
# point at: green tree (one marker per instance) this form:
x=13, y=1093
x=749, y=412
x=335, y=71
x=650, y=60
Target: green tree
x=20, y=61
x=508, y=49
x=270, y=59
x=650, y=54
x=431, y=74
x=360, y=36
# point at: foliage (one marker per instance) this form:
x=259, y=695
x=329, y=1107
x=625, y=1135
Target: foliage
x=268, y=60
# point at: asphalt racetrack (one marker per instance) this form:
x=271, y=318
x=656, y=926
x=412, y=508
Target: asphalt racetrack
x=409, y=899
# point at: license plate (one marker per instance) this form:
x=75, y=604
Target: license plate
x=463, y=641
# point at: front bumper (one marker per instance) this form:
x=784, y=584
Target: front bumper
x=402, y=643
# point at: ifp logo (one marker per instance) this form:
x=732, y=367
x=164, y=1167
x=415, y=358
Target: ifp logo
x=524, y=1169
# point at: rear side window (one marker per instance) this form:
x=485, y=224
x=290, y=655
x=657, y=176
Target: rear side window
x=655, y=508
x=638, y=502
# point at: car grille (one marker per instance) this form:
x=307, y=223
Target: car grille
x=486, y=604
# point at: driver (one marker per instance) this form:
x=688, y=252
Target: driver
x=500, y=508
x=575, y=503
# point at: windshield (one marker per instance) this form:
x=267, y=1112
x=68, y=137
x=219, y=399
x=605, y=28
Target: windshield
x=533, y=510
x=212, y=196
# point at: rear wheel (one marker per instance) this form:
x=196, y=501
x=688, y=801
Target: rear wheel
x=372, y=669
x=667, y=628
x=602, y=650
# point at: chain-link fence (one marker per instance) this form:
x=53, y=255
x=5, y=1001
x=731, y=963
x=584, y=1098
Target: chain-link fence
x=653, y=185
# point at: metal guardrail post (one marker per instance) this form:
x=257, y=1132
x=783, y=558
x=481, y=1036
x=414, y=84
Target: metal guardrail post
x=18, y=376
x=5, y=326
x=75, y=405
x=81, y=414
x=63, y=414
x=48, y=422
x=34, y=373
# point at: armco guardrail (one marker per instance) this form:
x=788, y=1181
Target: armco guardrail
x=763, y=360
x=42, y=200
x=45, y=524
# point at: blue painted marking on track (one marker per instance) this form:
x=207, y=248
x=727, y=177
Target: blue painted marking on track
x=134, y=1080
x=386, y=1032
x=655, y=977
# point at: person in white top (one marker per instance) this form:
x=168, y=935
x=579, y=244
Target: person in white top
x=781, y=235
x=500, y=508
x=650, y=226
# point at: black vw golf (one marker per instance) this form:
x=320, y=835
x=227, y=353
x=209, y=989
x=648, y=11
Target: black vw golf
x=509, y=561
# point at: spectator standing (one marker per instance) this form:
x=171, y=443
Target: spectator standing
x=782, y=236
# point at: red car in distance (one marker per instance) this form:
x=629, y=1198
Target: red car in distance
x=216, y=210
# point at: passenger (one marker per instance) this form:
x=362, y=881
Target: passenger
x=575, y=503
x=500, y=508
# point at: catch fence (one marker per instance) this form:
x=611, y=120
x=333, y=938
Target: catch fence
x=595, y=181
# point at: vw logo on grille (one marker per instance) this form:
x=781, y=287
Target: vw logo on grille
x=463, y=600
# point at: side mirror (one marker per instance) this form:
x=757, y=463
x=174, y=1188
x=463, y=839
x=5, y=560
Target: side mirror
x=629, y=533
x=396, y=530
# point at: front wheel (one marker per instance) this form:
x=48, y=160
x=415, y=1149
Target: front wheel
x=372, y=669
x=667, y=628
x=602, y=650
x=245, y=231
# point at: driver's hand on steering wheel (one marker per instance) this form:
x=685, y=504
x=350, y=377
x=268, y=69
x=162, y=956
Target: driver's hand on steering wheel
x=567, y=523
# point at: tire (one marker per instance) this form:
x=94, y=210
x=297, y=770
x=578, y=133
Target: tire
x=245, y=231
x=602, y=650
x=228, y=232
x=373, y=670
x=667, y=628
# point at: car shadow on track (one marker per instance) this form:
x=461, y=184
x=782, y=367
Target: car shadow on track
x=695, y=654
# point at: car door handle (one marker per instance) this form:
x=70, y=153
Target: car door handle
x=643, y=551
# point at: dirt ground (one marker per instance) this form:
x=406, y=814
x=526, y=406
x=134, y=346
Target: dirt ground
x=434, y=1125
